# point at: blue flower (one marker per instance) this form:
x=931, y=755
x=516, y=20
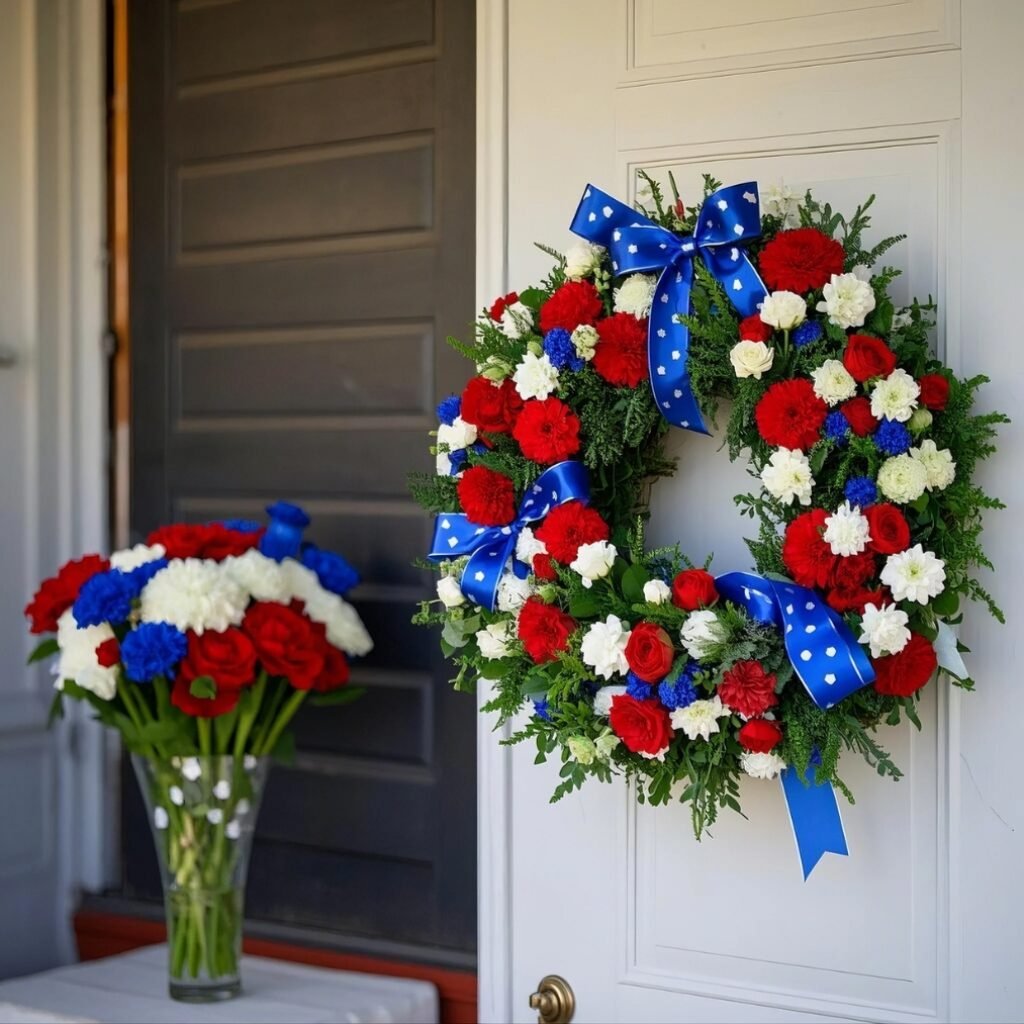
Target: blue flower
x=681, y=692
x=242, y=525
x=284, y=534
x=837, y=427
x=286, y=512
x=335, y=574
x=106, y=597
x=540, y=709
x=152, y=649
x=807, y=333
x=141, y=575
x=892, y=437
x=448, y=409
x=637, y=688
x=457, y=458
x=861, y=490
x=561, y=351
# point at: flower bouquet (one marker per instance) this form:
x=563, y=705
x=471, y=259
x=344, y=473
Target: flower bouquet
x=199, y=647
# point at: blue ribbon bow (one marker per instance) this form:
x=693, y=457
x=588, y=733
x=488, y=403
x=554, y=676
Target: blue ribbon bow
x=729, y=219
x=490, y=547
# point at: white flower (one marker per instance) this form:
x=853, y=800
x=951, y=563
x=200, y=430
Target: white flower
x=635, y=295
x=914, y=575
x=862, y=272
x=535, y=376
x=582, y=259
x=594, y=561
x=345, y=630
x=884, y=629
x=784, y=310
x=584, y=340
x=452, y=437
x=657, y=591
x=132, y=558
x=895, y=397
x=604, y=647
x=259, y=576
x=527, y=546
x=77, y=659
x=450, y=593
x=751, y=358
x=761, y=766
x=195, y=594
x=701, y=633
x=494, y=639
x=939, y=467
x=604, y=697
x=788, y=476
x=516, y=321
x=833, y=383
x=512, y=592
x=847, y=300
x=847, y=531
x=781, y=201
x=902, y=479
x=700, y=718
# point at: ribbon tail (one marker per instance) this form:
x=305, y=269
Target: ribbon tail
x=483, y=573
x=814, y=815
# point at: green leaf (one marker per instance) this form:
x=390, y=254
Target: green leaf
x=818, y=457
x=633, y=580
x=343, y=695
x=532, y=298
x=452, y=634
x=203, y=686
x=284, y=749
x=946, y=604
x=46, y=649
x=56, y=709
x=583, y=605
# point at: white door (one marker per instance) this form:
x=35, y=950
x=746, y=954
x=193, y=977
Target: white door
x=917, y=102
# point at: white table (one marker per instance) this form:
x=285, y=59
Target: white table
x=132, y=988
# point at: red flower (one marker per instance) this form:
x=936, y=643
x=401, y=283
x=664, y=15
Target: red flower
x=643, y=726
x=228, y=657
x=499, y=306
x=649, y=652
x=889, y=530
x=903, y=674
x=790, y=414
x=286, y=642
x=753, y=328
x=858, y=414
x=574, y=303
x=800, y=260
x=492, y=408
x=57, y=594
x=808, y=558
x=220, y=703
x=866, y=357
x=220, y=542
x=203, y=540
x=759, y=735
x=693, y=589
x=335, y=672
x=853, y=570
x=569, y=526
x=487, y=497
x=854, y=599
x=544, y=629
x=621, y=355
x=108, y=653
x=748, y=689
x=544, y=567
x=548, y=431
x=934, y=391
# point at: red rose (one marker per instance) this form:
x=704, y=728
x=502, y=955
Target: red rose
x=858, y=414
x=649, y=652
x=574, y=303
x=180, y=540
x=866, y=357
x=903, y=674
x=889, y=530
x=499, y=306
x=753, y=328
x=853, y=599
x=220, y=703
x=790, y=414
x=693, y=589
x=621, y=355
x=569, y=526
x=548, y=431
x=108, y=653
x=643, y=726
x=800, y=260
x=491, y=408
x=934, y=391
x=544, y=629
x=487, y=497
x=228, y=657
x=57, y=594
x=286, y=642
x=748, y=689
x=544, y=567
x=808, y=558
x=759, y=735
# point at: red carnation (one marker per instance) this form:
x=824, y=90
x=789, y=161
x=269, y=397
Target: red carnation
x=497, y=310
x=57, y=594
x=491, y=408
x=858, y=414
x=853, y=570
x=866, y=357
x=227, y=657
x=853, y=599
x=621, y=355
x=286, y=642
x=335, y=672
x=790, y=414
x=748, y=689
x=544, y=567
x=800, y=260
x=108, y=653
x=544, y=629
x=693, y=589
x=643, y=726
x=903, y=674
x=760, y=735
x=220, y=542
x=547, y=430
x=649, y=652
x=569, y=526
x=890, y=532
x=487, y=497
x=934, y=391
x=753, y=328
x=574, y=303
x=808, y=558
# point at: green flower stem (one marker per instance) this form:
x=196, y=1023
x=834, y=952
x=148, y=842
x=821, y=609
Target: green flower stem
x=205, y=746
x=291, y=706
x=248, y=717
x=268, y=718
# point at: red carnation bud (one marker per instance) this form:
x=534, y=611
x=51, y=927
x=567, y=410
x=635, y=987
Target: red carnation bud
x=497, y=310
x=680, y=209
x=760, y=735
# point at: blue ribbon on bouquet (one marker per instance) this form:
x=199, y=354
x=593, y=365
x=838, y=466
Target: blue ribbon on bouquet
x=729, y=218
x=831, y=665
x=490, y=547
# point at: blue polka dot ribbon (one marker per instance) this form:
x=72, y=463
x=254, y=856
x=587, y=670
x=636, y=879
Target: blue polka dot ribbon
x=729, y=218
x=490, y=547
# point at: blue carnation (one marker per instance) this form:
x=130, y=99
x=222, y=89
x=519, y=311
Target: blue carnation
x=561, y=351
x=242, y=525
x=807, y=333
x=540, y=709
x=457, y=458
x=892, y=437
x=106, y=597
x=152, y=649
x=837, y=427
x=861, y=491
x=449, y=409
x=141, y=575
x=333, y=571
x=681, y=692
x=637, y=688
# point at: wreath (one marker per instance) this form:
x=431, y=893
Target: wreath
x=864, y=446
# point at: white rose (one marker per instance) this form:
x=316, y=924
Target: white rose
x=594, y=561
x=784, y=310
x=784, y=202
x=494, y=640
x=833, y=383
x=535, y=377
x=761, y=766
x=914, y=575
x=194, y=594
x=751, y=358
x=604, y=697
x=657, y=591
x=527, y=546
x=938, y=464
x=884, y=629
x=516, y=321
x=895, y=397
x=788, y=477
x=635, y=295
x=700, y=718
x=847, y=300
x=512, y=592
x=604, y=647
x=902, y=479
x=132, y=558
x=701, y=633
x=847, y=531
x=450, y=593
x=584, y=340
x=582, y=259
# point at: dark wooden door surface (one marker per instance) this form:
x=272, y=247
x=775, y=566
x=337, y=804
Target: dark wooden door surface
x=302, y=241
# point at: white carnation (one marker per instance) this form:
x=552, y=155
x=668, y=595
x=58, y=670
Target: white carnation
x=784, y=310
x=582, y=259
x=604, y=647
x=516, y=321
x=914, y=575
x=939, y=467
x=584, y=340
x=194, y=594
x=902, y=479
x=895, y=397
x=132, y=558
x=761, y=766
x=847, y=531
x=527, y=546
x=784, y=202
x=261, y=577
x=535, y=376
x=604, y=697
x=635, y=295
x=847, y=300
x=884, y=629
x=833, y=383
x=494, y=639
x=788, y=477
x=345, y=629
x=594, y=561
x=450, y=593
x=751, y=358
x=657, y=591
x=512, y=592
x=457, y=434
x=701, y=633
x=700, y=718
x=77, y=657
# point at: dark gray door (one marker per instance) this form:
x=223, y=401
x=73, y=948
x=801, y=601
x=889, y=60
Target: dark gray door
x=302, y=242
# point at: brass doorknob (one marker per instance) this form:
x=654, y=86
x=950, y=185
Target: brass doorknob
x=554, y=1001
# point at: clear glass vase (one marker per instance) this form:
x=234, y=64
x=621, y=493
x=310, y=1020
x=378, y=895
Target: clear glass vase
x=202, y=811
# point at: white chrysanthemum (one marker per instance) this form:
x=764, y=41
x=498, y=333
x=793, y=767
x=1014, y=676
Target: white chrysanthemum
x=132, y=558
x=751, y=358
x=847, y=530
x=884, y=629
x=782, y=201
x=512, y=592
x=194, y=594
x=914, y=575
x=788, y=476
x=847, y=300
x=761, y=766
x=450, y=593
x=604, y=647
x=527, y=546
x=700, y=718
x=261, y=577
x=635, y=295
x=594, y=561
x=833, y=383
x=902, y=479
x=535, y=376
x=939, y=467
x=584, y=340
x=895, y=397
x=494, y=640
x=77, y=658
x=582, y=259
x=516, y=321
x=784, y=310
x=604, y=697
x=701, y=633
x=657, y=592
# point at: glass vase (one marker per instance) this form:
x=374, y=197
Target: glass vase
x=202, y=811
